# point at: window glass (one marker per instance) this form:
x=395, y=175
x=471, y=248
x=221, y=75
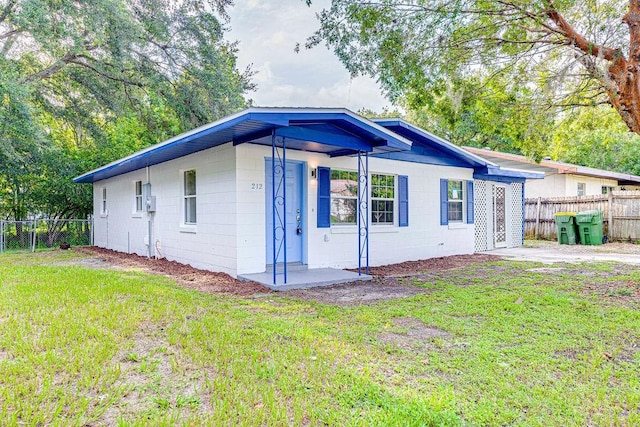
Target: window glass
x=382, y=199
x=190, y=197
x=104, y=200
x=138, y=196
x=344, y=196
x=456, y=201
x=582, y=187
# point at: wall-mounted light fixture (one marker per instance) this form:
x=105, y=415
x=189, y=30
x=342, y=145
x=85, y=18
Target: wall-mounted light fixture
x=314, y=173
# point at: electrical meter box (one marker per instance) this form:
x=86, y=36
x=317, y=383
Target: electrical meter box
x=149, y=200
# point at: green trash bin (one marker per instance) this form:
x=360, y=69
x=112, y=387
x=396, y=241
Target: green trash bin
x=566, y=223
x=590, y=227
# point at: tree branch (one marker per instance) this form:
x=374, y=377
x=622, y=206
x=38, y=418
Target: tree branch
x=579, y=41
x=52, y=69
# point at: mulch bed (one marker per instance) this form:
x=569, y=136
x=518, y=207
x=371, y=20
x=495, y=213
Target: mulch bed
x=186, y=275
x=385, y=285
x=409, y=268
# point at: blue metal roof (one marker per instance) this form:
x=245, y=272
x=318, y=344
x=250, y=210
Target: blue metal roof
x=431, y=149
x=336, y=132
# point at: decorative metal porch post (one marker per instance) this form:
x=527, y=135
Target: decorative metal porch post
x=363, y=212
x=279, y=204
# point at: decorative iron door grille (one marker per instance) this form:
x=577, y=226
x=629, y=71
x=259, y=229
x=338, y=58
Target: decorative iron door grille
x=500, y=215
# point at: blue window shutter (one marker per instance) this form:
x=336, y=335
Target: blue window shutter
x=444, y=202
x=403, y=200
x=470, y=212
x=324, y=197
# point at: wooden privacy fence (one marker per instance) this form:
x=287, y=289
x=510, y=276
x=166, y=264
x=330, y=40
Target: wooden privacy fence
x=621, y=214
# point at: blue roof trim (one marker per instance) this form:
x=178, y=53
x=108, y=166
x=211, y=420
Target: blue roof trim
x=426, y=139
x=495, y=173
x=431, y=149
x=324, y=130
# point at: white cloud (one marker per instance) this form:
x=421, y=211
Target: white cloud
x=268, y=31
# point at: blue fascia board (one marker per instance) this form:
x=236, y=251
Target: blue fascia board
x=495, y=173
x=423, y=137
x=257, y=121
x=498, y=178
x=509, y=173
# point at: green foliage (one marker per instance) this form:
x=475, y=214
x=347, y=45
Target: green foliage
x=597, y=138
x=481, y=73
x=482, y=113
x=83, y=83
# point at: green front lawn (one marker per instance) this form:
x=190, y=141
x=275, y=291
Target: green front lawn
x=490, y=344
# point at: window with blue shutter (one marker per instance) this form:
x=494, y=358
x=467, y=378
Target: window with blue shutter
x=324, y=197
x=444, y=202
x=470, y=217
x=403, y=200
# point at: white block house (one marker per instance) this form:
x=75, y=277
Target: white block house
x=561, y=179
x=312, y=187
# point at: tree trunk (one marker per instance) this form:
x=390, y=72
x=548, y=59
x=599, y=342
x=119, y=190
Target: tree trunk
x=626, y=73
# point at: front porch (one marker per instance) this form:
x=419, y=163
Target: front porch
x=301, y=277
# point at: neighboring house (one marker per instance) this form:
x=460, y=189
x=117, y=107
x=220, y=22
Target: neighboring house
x=315, y=187
x=561, y=179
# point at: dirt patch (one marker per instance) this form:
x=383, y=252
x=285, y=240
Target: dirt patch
x=624, y=292
x=185, y=275
x=431, y=264
x=415, y=334
x=552, y=270
x=154, y=377
x=358, y=293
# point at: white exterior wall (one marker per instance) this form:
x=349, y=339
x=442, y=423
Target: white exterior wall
x=121, y=228
x=338, y=246
x=211, y=244
x=593, y=185
x=553, y=185
x=230, y=235
x=566, y=185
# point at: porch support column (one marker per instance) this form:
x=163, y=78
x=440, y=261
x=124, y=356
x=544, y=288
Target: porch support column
x=363, y=212
x=279, y=204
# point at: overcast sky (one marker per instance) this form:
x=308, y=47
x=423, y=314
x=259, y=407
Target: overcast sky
x=268, y=31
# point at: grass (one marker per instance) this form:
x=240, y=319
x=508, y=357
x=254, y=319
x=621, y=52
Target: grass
x=82, y=346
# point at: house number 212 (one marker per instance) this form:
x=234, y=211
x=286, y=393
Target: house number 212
x=256, y=186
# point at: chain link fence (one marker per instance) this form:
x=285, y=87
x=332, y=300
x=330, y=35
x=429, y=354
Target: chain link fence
x=44, y=234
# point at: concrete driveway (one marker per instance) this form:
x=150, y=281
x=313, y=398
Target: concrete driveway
x=552, y=252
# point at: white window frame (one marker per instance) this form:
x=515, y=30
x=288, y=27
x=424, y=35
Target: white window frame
x=393, y=199
x=187, y=197
x=584, y=189
x=103, y=202
x=138, y=206
x=460, y=201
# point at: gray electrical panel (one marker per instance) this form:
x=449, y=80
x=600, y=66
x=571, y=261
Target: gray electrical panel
x=149, y=200
x=151, y=204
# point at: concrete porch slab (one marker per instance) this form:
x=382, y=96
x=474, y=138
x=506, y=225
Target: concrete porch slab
x=305, y=278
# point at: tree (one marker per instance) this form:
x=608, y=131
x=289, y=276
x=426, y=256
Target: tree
x=75, y=73
x=574, y=52
x=597, y=138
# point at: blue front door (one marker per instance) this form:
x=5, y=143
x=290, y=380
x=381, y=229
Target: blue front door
x=291, y=219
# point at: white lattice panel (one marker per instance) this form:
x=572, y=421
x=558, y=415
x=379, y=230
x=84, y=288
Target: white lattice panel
x=482, y=215
x=516, y=216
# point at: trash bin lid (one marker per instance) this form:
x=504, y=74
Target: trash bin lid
x=565, y=214
x=587, y=216
x=590, y=212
